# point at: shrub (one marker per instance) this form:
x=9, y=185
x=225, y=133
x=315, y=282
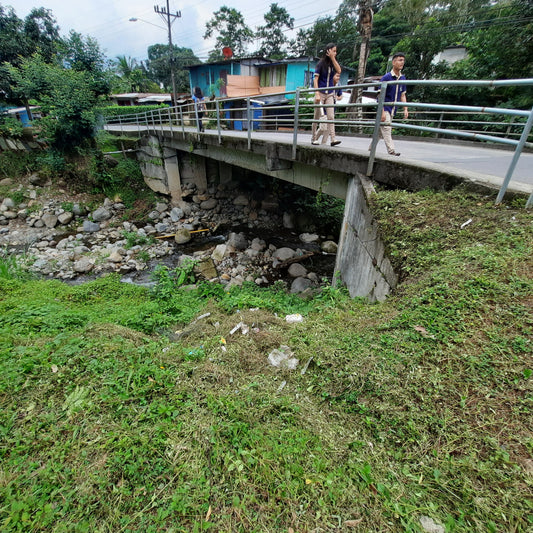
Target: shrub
x=10, y=127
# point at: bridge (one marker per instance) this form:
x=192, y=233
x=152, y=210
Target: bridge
x=173, y=150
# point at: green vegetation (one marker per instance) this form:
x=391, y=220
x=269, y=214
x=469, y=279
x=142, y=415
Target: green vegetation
x=128, y=409
x=15, y=164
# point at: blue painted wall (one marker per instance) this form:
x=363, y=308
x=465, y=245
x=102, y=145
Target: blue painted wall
x=205, y=75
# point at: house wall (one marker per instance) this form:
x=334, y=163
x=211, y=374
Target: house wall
x=205, y=75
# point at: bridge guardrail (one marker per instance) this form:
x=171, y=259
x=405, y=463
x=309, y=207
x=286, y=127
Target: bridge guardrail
x=295, y=110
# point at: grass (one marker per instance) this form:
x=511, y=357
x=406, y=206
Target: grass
x=122, y=410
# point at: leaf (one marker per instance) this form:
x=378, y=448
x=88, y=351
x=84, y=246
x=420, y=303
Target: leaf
x=208, y=515
x=423, y=331
x=353, y=523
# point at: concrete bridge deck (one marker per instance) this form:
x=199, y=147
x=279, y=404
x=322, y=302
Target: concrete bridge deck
x=479, y=164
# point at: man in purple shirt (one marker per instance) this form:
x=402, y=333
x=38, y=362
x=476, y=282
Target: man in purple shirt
x=393, y=93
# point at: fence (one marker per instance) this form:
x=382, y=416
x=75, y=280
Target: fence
x=294, y=111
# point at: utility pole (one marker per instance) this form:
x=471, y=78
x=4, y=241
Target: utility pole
x=166, y=15
x=366, y=18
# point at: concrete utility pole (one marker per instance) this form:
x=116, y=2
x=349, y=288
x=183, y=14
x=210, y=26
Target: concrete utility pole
x=366, y=17
x=166, y=15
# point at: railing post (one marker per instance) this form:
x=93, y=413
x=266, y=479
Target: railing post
x=120, y=123
x=248, y=123
x=217, y=107
x=295, y=123
x=170, y=119
x=196, y=117
x=514, y=161
x=375, y=135
x=182, y=120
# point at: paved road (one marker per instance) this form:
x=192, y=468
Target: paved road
x=473, y=160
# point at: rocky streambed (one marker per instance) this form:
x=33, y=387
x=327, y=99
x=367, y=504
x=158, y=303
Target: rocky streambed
x=231, y=238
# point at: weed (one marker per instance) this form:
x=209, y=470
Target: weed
x=125, y=409
x=135, y=239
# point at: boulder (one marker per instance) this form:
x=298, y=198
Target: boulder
x=182, y=236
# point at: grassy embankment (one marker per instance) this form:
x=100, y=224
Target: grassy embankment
x=119, y=412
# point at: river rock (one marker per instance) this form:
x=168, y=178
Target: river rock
x=7, y=203
x=296, y=270
x=37, y=180
x=183, y=235
x=207, y=205
x=83, y=265
x=283, y=254
x=308, y=237
x=176, y=214
x=238, y=241
x=88, y=226
x=206, y=268
x=65, y=218
x=115, y=257
x=101, y=214
x=219, y=252
x=240, y=200
x=300, y=285
x=329, y=247
x=50, y=221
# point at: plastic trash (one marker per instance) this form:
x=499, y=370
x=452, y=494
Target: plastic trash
x=283, y=358
x=292, y=319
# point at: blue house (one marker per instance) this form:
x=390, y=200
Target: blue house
x=21, y=114
x=256, y=77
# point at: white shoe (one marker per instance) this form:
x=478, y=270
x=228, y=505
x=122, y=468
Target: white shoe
x=315, y=142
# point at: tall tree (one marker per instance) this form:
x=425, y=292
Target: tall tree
x=42, y=33
x=158, y=66
x=83, y=54
x=277, y=22
x=232, y=31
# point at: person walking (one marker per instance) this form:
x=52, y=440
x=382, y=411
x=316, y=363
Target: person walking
x=324, y=73
x=393, y=93
x=199, y=101
x=322, y=129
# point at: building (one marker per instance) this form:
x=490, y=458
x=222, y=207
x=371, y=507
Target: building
x=266, y=80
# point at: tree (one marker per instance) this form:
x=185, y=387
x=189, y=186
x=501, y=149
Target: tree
x=272, y=33
x=131, y=76
x=158, y=66
x=83, y=54
x=67, y=97
x=232, y=32
x=42, y=33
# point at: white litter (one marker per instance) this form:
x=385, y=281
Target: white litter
x=291, y=319
x=464, y=224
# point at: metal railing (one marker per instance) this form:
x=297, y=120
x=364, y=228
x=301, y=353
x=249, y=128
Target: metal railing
x=294, y=111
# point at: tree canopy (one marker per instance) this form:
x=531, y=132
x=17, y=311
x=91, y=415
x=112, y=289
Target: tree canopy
x=230, y=29
x=273, y=32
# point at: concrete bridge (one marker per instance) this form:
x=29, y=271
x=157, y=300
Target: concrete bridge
x=171, y=156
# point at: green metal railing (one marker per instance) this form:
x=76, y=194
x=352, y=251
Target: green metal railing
x=511, y=127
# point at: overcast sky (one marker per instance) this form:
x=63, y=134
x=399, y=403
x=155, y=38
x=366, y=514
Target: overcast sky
x=108, y=20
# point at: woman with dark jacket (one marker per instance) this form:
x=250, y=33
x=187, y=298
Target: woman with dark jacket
x=198, y=98
x=325, y=71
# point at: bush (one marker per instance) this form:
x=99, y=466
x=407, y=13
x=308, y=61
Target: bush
x=16, y=164
x=10, y=127
x=120, y=110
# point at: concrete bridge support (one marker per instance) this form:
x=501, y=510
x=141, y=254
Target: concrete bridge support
x=166, y=169
x=361, y=263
